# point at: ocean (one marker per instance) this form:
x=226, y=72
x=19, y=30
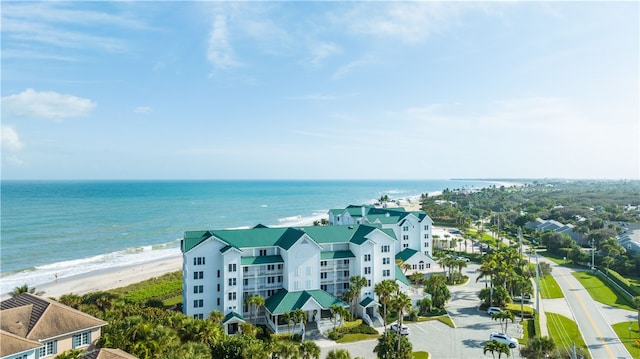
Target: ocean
x=65, y=228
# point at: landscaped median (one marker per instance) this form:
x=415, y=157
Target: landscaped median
x=565, y=333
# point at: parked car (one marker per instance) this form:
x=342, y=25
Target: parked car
x=493, y=310
x=463, y=258
x=504, y=339
x=404, y=330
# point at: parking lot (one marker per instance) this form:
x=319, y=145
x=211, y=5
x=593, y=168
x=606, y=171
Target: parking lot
x=466, y=340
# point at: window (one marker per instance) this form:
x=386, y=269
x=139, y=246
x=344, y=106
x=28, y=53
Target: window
x=218, y=287
x=345, y=262
x=323, y=275
x=198, y=275
x=270, y=292
x=279, y=266
x=218, y=301
x=279, y=279
x=245, y=282
x=198, y=261
x=414, y=267
x=385, y=249
x=426, y=236
x=271, y=280
x=198, y=303
x=426, y=244
x=367, y=270
x=81, y=339
x=386, y=273
x=198, y=316
x=367, y=257
x=232, y=267
x=245, y=269
x=346, y=273
x=323, y=263
x=218, y=273
x=271, y=267
x=368, y=282
x=386, y=260
x=49, y=348
x=263, y=252
x=426, y=227
x=232, y=296
x=405, y=228
x=405, y=237
x=405, y=245
x=345, y=285
x=198, y=289
x=323, y=287
x=428, y=265
x=232, y=281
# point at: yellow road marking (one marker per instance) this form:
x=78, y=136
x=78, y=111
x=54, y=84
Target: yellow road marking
x=584, y=309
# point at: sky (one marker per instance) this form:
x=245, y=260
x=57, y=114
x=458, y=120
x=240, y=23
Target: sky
x=320, y=90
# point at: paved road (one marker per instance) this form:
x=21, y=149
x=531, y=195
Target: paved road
x=441, y=341
x=598, y=335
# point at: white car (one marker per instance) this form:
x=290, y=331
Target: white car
x=404, y=330
x=493, y=310
x=504, y=339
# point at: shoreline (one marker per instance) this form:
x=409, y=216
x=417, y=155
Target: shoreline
x=109, y=278
x=123, y=275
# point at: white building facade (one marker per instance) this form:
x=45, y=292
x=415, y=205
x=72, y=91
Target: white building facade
x=304, y=268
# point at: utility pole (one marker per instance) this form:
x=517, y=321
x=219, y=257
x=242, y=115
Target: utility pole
x=537, y=286
x=593, y=255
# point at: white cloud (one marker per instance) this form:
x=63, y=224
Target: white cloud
x=346, y=69
x=143, y=109
x=220, y=53
x=322, y=50
x=48, y=105
x=10, y=140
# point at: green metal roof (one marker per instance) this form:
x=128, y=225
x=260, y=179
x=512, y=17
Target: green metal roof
x=406, y=254
x=192, y=239
x=336, y=255
x=336, y=212
x=400, y=276
x=248, y=261
x=284, y=301
x=282, y=237
x=232, y=315
x=366, y=301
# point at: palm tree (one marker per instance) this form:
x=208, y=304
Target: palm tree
x=25, y=289
x=338, y=354
x=257, y=301
x=400, y=302
x=216, y=316
x=309, y=350
x=339, y=311
x=349, y=297
x=283, y=349
x=490, y=346
x=504, y=316
x=384, y=290
x=357, y=283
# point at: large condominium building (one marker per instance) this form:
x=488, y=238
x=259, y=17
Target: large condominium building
x=305, y=268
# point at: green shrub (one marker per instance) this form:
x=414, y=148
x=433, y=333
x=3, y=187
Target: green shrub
x=515, y=309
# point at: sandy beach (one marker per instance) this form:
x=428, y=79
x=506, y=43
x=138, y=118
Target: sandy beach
x=110, y=278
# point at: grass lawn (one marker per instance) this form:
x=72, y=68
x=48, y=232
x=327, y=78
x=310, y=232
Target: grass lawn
x=600, y=292
x=350, y=338
x=628, y=338
x=564, y=331
x=558, y=259
x=420, y=355
x=549, y=288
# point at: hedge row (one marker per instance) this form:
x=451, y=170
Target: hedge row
x=623, y=282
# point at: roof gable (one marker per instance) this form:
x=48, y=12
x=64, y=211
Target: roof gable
x=14, y=344
x=55, y=320
x=406, y=254
x=284, y=301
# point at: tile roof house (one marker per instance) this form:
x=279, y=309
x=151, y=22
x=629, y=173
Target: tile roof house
x=306, y=268
x=28, y=319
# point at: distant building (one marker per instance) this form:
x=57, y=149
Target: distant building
x=304, y=268
x=542, y=225
x=33, y=327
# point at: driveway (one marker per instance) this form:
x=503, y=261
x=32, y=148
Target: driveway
x=466, y=340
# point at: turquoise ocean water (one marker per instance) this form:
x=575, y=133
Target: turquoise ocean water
x=73, y=227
